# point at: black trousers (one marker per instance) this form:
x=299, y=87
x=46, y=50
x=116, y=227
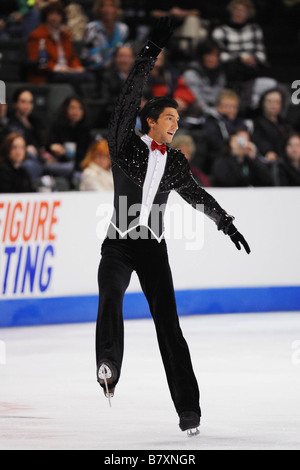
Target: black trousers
x=149, y=259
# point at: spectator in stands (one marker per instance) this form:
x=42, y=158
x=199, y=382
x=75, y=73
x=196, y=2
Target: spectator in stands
x=205, y=76
x=59, y=62
x=113, y=79
x=22, y=120
x=186, y=144
x=241, y=165
x=242, y=43
x=289, y=165
x=69, y=137
x=97, y=174
x=103, y=36
x=220, y=124
x=270, y=128
x=166, y=80
x=13, y=176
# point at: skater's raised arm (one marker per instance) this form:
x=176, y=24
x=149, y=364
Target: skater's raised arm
x=124, y=116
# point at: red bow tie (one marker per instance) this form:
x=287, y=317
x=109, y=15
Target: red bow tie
x=161, y=147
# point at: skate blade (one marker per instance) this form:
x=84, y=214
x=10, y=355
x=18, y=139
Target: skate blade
x=193, y=432
x=108, y=395
x=104, y=374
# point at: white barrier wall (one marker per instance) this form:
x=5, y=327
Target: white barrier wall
x=50, y=249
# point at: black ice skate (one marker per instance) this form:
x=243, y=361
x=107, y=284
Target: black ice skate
x=107, y=376
x=189, y=421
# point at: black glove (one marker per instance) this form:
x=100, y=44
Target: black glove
x=238, y=238
x=162, y=31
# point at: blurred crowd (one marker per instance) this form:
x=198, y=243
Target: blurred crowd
x=230, y=66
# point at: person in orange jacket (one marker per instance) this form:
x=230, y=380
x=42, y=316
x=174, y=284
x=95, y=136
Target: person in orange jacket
x=50, y=50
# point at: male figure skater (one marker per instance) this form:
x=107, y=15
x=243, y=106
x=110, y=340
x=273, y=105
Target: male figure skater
x=145, y=171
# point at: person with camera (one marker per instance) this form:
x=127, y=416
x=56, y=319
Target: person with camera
x=241, y=164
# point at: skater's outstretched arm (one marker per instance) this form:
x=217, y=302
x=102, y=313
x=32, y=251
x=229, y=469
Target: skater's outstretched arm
x=195, y=195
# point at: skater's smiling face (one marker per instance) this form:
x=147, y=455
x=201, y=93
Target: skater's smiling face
x=164, y=128
x=159, y=119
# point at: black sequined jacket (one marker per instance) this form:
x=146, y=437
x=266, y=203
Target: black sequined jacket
x=129, y=155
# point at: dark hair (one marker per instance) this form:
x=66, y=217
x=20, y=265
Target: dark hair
x=241, y=128
x=63, y=109
x=18, y=92
x=267, y=92
x=293, y=134
x=15, y=98
x=207, y=47
x=153, y=109
x=55, y=7
x=99, y=3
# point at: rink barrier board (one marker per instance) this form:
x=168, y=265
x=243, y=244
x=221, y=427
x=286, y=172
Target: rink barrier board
x=50, y=245
x=59, y=310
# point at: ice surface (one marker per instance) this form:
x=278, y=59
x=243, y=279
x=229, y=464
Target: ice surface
x=248, y=367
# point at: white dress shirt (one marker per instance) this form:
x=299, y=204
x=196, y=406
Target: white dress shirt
x=155, y=170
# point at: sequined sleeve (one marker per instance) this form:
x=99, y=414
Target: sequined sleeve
x=124, y=116
x=200, y=199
